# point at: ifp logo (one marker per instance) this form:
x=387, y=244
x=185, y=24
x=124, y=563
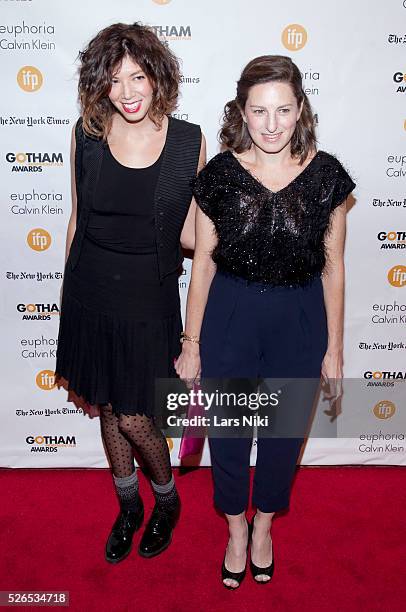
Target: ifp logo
x=39, y=239
x=294, y=37
x=397, y=276
x=45, y=380
x=29, y=79
x=384, y=409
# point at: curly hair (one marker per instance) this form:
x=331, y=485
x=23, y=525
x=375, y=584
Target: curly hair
x=101, y=58
x=267, y=68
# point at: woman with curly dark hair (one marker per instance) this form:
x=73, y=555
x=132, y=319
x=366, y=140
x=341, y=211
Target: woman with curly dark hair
x=262, y=301
x=132, y=210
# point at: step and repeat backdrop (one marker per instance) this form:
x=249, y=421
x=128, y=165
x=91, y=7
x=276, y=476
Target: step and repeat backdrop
x=353, y=61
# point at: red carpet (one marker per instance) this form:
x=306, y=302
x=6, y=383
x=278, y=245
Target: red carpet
x=340, y=547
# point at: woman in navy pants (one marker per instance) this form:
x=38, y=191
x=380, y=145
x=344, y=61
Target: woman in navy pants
x=267, y=291
x=251, y=333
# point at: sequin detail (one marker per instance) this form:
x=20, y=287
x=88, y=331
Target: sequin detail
x=270, y=237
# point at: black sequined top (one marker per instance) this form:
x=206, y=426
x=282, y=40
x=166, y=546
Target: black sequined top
x=270, y=237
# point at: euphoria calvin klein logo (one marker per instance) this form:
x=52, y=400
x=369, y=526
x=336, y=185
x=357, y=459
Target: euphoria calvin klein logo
x=29, y=79
x=384, y=409
x=39, y=239
x=294, y=37
x=45, y=380
x=36, y=203
x=13, y=37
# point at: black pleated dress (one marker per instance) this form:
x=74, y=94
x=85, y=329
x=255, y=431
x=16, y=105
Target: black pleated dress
x=120, y=326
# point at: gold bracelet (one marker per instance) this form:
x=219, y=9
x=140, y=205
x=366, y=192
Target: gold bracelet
x=184, y=337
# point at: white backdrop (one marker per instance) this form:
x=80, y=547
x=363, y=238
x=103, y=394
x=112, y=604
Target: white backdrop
x=352, y=56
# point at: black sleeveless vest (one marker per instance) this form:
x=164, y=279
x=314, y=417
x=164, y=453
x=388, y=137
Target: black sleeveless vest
x=173, y=193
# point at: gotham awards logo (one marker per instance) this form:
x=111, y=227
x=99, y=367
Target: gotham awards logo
x=400, y=79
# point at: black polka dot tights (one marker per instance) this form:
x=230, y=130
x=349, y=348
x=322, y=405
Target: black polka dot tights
x=121, y=433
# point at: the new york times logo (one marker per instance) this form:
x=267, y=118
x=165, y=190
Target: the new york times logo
x=30, y=121
x=48, y=412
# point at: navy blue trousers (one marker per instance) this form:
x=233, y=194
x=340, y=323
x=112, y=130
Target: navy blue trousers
x=253, y=331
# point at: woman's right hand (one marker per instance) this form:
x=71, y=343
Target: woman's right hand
x=187, y=365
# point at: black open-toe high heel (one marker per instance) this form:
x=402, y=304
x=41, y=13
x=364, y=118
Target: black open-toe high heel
x=237, y=576
x=260, y=571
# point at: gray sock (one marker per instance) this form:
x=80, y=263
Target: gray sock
x=127, y=491
x=166, y=496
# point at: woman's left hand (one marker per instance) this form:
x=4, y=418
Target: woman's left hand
x=332, y=375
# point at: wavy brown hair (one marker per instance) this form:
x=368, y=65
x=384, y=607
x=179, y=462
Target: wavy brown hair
x=101, y=59
x=267, y=68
